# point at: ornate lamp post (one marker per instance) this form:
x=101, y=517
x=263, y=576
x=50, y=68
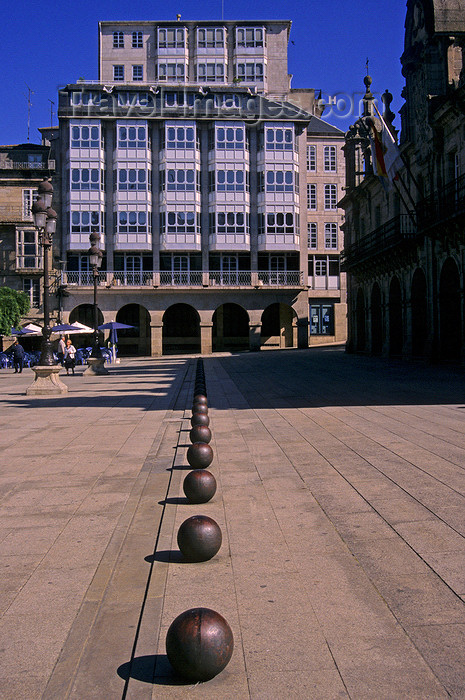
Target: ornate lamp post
x=46, y=380
x=96, y=361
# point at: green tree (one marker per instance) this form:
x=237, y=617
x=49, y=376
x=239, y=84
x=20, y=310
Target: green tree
x=13, y=306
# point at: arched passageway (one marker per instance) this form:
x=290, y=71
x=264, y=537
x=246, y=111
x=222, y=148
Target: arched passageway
x=277, y=326
x=419, y=313
x=84, y=313
x=450, y=317
x=134, y=341
x=181, y=330
x=360, y=321
x=230, y=328
x=376, y=321
x=395, y=318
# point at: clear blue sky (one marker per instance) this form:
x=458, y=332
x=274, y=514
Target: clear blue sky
x=45, y=45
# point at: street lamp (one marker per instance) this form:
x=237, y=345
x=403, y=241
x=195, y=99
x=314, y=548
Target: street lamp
x=47, y=381
x=45, y=220
x=96, y=361
x=95, y=259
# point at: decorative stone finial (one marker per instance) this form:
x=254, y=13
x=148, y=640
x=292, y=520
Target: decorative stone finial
x=388, y=115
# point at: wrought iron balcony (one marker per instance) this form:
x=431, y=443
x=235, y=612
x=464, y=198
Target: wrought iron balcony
x=443, y=206
x=208, y=278
x=396, y=234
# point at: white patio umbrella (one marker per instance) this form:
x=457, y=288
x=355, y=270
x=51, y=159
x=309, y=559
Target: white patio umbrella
x=79, y=328
x=33, y=329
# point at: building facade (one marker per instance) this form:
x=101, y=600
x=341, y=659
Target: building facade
x=190, y=157
x=404, y=240
x=22, y=167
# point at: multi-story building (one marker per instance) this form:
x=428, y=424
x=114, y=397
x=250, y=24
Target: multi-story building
x=22, y=167
x=189, y=156
x=326, y=283
x=404, y=236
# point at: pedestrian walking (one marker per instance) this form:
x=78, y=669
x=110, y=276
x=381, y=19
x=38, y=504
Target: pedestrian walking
x=70, y=356
x=61, y=350
x=18, y=356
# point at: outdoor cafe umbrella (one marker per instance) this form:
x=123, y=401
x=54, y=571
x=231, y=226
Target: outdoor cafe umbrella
x=113, y=327
x=32, y=328
x=77, y=327
x=63, y=328
x=21, y=331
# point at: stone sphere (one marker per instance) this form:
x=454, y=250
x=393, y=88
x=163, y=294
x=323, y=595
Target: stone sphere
x=199, y=644
x=199, y=538
x=199, y=389
x=199, y=408
x=199, y=486
x=198, y=392
x=200, y=433
x=200, y=419
x=200, y=455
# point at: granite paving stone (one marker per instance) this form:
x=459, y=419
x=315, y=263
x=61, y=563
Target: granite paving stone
x=341, y=503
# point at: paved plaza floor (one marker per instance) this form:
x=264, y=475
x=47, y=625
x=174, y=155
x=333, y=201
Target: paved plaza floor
x=341, y=483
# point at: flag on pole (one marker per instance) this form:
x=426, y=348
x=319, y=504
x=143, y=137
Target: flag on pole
x=387, y=160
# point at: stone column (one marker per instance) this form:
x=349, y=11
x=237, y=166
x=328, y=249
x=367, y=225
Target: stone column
x=156, y=339
x=255, y=330
x=206, y=338
x=302, y=332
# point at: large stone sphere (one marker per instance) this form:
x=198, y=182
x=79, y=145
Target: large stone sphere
x=199, y=486
x=199, y=408
x=199, y=538
x=199, y=644
x=198, y=393
x=200, y=419
x=200, y=433
x=200, y=389
x=200, y=455
x=202, y=402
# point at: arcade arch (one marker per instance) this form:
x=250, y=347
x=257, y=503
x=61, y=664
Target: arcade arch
x=230, y=328
x=279, y=326
x=181, y=330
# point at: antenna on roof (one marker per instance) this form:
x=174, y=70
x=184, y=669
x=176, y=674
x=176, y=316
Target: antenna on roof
x=51, y=112
x=222, y=10
x=29, y=105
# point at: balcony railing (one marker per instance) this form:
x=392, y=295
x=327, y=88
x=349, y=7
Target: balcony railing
x=132, y=279
x=397, y=232
x=212, y=278
x=443, y=205
x=230, y=279
x=22, y=165
x=293, y=278
x=83, y=279
x=180, y=279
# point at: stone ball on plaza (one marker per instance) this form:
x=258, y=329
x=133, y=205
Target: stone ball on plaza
x=200, y=419
x=200, y=394
x=200, y=399
x=199, y=644
x=199, y=455
x=199, y=538
x=199, y=486
x=199, y=408
x=200, y=433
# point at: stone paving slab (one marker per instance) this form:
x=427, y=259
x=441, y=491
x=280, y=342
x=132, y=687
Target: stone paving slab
x=340, y=498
